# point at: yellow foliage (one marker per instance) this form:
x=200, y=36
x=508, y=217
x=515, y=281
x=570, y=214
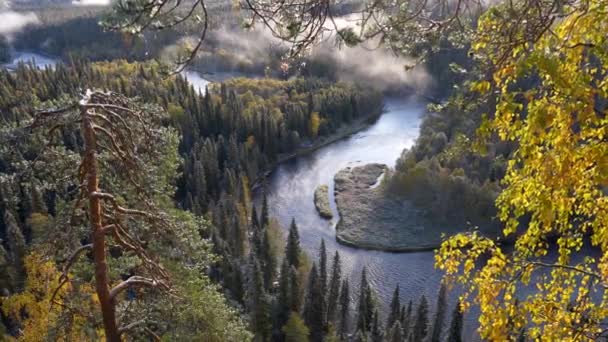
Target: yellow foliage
x=250, y=141
x=37, y=316
x=315, y=122
x=556, y=178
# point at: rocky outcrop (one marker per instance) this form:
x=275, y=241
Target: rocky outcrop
x=322, y=201
x=371, y=218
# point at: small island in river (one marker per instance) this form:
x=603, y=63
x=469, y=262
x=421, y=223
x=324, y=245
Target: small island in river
x=322, y=201
x=371, y=218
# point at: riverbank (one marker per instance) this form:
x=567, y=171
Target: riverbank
x=343, y=132
x=372, y=218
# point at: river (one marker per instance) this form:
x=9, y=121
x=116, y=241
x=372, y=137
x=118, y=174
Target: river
x=26, y=57
x=290, y=194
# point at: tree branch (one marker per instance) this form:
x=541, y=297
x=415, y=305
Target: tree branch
x=134, y=281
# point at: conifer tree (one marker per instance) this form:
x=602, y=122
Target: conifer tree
x=284, y=300
x=269, y=260
x=395, y=308
x=420, y=328
x=314, y=308
x=296, y=290
x=366, y=305
x=265, y=218
x=295, y=329
x=344, y=308
x=323, y=267
x=16, y=244
x=6, y=271
x=395, y=334
x=292, y=249
x=257, y=234
x=377, y=335
x=439, y=314
x=259, y=305
x=455, y=332
x=406, y=319
x=334, y=290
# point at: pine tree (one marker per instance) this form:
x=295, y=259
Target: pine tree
x=6, y=271
x=395, y=308
x=344, y=308
x=455, y=332
x=314, y=308
x=284, y=298
x=239, y=236
x=420, y=329
x=395, y=334
x=258, y=303
x=377, y=335
x=334, y=290
x=269, y=260
x=16, y=244
x=366, y=305
x=295, y=330
x=439, y=314
x=292, y=250
x=406, y=319
x=256, y=232
x=265, y=214
x=296, y=290
x=323, y=267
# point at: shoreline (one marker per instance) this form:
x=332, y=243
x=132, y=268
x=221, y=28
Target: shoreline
x=387, y=249
x=344, y=132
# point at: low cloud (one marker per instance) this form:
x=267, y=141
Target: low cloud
x=377, y=67
x=91, y=2
x=364, y=63
x=12, y=22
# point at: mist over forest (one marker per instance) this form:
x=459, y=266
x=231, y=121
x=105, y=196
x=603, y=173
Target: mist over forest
x=369, y=171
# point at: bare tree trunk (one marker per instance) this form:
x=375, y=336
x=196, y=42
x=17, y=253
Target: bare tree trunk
x=102, y=281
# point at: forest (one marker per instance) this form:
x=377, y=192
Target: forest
x=226, y=138
x=127, y=205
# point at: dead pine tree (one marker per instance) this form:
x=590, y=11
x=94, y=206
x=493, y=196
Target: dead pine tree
x=116, y=135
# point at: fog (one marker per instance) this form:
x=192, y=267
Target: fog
x=12, y=22
x=364, y=63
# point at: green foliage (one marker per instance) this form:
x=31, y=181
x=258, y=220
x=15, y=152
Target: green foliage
x=295, y=330
x=421, y=324
x=455, y=332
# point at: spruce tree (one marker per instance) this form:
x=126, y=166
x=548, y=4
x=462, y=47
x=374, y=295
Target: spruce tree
x=6, y=272
x=314, y=308
x=395, y=334
x=16, y=244
x=256, y=232
x=295, y=330
x=323, y=267
x=420, y=329
x=269, y=261
x=334, y=290
x=296, y=290
x=439, y=314
x=265, y=218
x=366, y=305
x=344, y=308
x=284, y=297
x=395, y=308
x=259, y=304
x=406, y=319
x=377, y=335
x=292, y=249
x=455, y=332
